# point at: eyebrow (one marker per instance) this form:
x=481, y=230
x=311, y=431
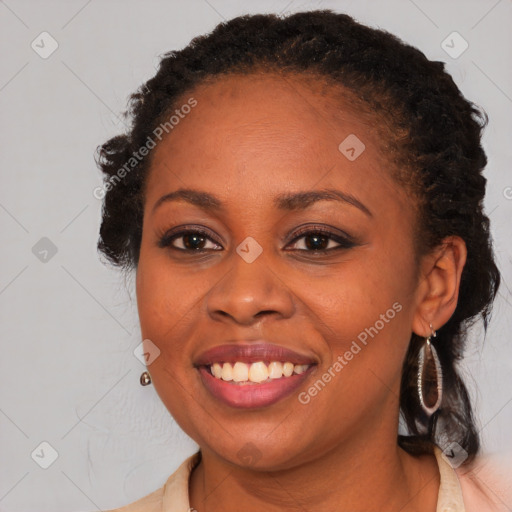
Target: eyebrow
x=295, y=201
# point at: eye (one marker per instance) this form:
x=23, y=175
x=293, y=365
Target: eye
x=320, y=240
x=315, y=239
x=190, y=240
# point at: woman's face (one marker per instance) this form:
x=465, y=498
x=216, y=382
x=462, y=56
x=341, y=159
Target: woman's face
x=255, y=154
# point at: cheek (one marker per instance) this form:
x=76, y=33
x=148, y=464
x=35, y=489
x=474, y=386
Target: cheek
x=365, y=312
x=165, y=301
x=355, y=295
x=153, y=302
x=165, y=293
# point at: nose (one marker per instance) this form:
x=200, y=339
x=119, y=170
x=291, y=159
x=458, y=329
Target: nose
x=248, y=293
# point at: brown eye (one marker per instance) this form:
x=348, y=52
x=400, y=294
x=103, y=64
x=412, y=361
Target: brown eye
x=189, y=241
x=192, y=241
x=321, y=240
x=316, y=241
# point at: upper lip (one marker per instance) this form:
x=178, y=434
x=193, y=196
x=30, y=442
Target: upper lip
x=251, y=353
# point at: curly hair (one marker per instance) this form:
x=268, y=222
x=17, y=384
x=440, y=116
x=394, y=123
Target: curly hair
x=434, y=139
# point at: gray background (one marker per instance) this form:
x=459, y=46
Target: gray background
x=69, y=324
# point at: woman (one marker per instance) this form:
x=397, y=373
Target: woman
x=301, y=201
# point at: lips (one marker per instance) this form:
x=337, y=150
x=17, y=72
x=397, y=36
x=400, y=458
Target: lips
x=251, y=353
x=249, y=395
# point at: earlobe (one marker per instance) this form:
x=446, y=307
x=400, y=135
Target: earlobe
x=438, y=290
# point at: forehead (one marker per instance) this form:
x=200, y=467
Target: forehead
x=286, y=128
x=301, y=100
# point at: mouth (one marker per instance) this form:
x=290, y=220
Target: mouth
x=252, y=376
x=255, y=373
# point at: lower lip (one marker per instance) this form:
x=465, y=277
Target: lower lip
x=250, y=395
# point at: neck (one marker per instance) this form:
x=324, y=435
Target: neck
x=360, y=476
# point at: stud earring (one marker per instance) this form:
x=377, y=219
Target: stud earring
x=428, y=366
x=145, y=379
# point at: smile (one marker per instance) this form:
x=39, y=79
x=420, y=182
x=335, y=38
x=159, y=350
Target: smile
x=252, y=375
x=256, y=373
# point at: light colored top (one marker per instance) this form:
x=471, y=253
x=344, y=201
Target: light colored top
x=468, y=491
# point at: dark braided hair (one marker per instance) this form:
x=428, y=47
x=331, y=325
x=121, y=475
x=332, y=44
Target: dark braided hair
x=433, y=136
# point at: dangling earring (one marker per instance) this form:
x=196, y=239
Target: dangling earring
x=428, y=357
x=145, y=379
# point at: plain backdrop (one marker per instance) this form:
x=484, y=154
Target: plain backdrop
x=69, y=377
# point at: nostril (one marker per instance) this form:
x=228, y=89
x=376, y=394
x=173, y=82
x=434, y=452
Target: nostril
x=264, y=312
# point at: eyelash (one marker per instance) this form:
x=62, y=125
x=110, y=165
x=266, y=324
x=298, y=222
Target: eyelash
x=345, y=242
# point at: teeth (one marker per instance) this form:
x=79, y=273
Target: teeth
x=227, y=372
x=240, y=372
x=256, y=372
x=217, y=370
x=275, y=370
x=300, y=368
x=287, y=369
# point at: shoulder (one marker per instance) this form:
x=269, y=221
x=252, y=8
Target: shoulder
x=486, y=484
x=173, y=495
x=150, y=503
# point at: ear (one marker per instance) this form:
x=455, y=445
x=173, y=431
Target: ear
x=438, y=287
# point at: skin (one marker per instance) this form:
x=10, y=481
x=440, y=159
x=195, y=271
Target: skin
x=248, y=140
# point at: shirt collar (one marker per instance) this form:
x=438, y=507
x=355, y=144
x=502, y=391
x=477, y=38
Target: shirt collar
x=176, y=497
